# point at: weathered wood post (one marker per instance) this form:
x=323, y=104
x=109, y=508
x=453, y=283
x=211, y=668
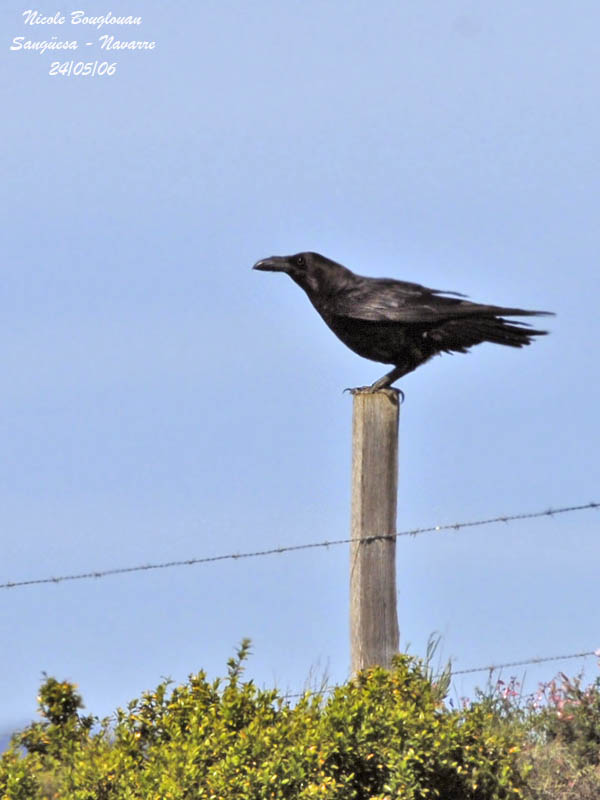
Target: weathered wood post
x=373, y=614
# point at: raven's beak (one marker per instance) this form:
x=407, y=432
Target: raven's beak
x=272, y=264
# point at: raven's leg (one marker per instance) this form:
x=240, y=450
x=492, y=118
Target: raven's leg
x=389, y=378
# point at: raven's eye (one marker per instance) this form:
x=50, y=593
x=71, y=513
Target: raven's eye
x=300, y=261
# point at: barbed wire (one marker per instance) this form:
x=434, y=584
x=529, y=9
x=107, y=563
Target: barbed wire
x=490, y=668
x=542, y=660
x=454, y=526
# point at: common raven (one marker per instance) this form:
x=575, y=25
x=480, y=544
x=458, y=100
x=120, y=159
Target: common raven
x=395, y=322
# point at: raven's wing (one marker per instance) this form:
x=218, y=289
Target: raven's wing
x=386, y=300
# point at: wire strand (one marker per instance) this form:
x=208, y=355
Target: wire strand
x=490, y=668
x=495, y=667
x=455, y=526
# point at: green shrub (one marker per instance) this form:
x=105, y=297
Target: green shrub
x=564, y=733
x=559, y=727
x=571, y=716
x=556, y=774
x=383, y=735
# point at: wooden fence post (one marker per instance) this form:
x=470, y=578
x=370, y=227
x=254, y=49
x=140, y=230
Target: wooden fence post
x=374, y=635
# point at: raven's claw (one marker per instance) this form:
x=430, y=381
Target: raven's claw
x=373, y=390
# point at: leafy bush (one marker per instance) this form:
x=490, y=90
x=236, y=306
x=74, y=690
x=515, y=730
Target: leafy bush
x=559, y=727
x=382, y=735
x=565, y=734
x=571, y=716
x=557, y=775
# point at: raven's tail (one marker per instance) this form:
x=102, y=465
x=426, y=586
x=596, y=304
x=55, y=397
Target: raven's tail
x=459, y=334
x=499, y=311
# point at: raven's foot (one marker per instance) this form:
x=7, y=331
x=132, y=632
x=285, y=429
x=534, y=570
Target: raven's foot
x=373, y=389
x=384, y=383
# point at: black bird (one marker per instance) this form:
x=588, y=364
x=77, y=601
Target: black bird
x=395, y=322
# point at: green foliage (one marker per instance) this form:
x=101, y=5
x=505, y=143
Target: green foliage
x=571, y=716
x=556, y=774
x=564, y=722
x=383, y=735
x=50, y=745
x=62, y=727
x=559, y=727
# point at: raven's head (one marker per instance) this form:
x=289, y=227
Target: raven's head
x=306, y=269
x=293, y=265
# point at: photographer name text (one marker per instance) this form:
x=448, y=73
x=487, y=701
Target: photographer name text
x=106, y=41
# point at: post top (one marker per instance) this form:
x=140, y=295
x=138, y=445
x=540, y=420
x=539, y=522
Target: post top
x=394, y=395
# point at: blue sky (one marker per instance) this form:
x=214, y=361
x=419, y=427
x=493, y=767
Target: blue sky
x=161, y=401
